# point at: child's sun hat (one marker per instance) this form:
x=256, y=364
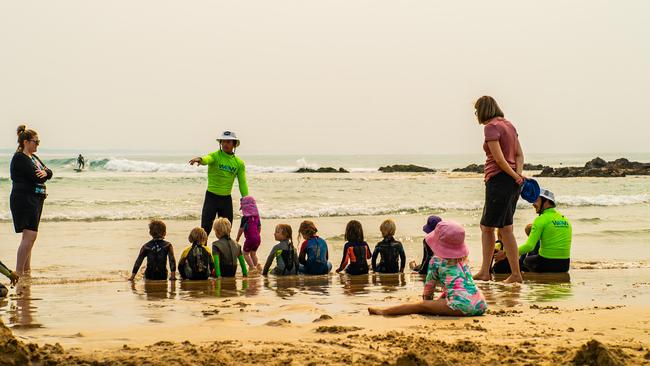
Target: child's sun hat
x=448, y=240
x=432, y=221
x=249, y=206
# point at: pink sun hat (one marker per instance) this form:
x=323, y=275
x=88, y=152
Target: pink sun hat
x=249, y=206
x=448, y=240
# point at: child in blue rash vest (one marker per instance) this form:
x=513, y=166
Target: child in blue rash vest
x=390, y=251
x=284, y=253
x=226, y=252
x=356, y=251
x=157, y=251
x=11, y=275
x=314, y=254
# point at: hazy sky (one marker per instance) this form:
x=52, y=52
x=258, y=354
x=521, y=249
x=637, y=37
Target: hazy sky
x=328, y=76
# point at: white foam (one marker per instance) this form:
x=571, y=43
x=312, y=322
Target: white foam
x=126, y=165
x=604, y=200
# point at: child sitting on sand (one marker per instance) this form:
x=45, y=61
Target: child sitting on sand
x=11, y=275
x=448, y=268
x=284, y=253
x=250, y=227
x=356, y=251
x=391, y=251
x=314, y=255
x=157, y=251
x=196, y=261
x=226, y=252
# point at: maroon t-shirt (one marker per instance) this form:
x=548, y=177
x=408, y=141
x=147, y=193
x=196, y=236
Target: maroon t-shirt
x=500, y=129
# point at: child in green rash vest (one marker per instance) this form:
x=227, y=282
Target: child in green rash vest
x=223, y=168
x=11, y=275
x=226, y=252
x=554, y=232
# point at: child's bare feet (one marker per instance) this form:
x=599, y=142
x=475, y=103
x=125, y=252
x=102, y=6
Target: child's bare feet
x=514, y=279
x=375, y=311
x=482, y=276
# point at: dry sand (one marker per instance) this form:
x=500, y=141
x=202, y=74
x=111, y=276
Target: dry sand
x=534, y=335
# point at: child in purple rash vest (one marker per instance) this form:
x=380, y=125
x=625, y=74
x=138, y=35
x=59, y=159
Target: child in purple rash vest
x=250, y=228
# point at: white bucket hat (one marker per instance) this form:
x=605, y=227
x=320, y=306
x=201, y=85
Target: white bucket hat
x=548, y=195
x=229, y=135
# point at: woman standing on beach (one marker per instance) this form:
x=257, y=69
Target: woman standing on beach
x=223, y=168
x=503, y=179
x=28, y=192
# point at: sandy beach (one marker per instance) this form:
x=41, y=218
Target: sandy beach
x=541, y=335
x=85, y=312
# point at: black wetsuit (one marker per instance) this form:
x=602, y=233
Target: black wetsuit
x=28, y=192
x=157, y=251
x=391, y=252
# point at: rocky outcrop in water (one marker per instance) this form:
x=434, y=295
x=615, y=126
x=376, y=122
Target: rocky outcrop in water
x=476, y=168
x=599, y=168
x=322, y=170
x=410, y=168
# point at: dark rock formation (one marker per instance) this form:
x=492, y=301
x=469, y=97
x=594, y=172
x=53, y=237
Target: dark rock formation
x=599, y=168
x=405, y=169
x=476, y=168
x=322, y=170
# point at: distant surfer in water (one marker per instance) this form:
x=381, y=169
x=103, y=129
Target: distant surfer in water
x=81, y=162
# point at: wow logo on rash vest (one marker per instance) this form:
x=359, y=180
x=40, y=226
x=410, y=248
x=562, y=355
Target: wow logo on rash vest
x=227, y=168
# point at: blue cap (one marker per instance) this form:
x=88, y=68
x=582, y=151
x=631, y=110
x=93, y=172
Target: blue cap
x=432, y=222
x=530, y=190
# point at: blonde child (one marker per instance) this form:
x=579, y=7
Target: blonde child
x=448, y=268
x=225, y=251
x=196, y=262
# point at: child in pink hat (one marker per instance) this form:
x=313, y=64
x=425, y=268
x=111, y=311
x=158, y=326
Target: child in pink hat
x=250, y=227
x=448, y=268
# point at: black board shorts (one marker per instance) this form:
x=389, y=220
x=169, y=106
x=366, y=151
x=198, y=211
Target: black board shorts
x=501, y=196
x=26, y=210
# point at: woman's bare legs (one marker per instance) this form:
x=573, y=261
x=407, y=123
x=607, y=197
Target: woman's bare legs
x=432, y=307
x=512, y=251
x=487, y=240
x=24, y=255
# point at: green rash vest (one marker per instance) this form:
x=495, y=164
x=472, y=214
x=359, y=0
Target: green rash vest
x=554, y=230
x=4, y=270
x=222, y=170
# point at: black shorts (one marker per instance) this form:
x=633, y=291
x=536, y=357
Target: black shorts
x=213, y=206
x=26, y=210
x=501, y=196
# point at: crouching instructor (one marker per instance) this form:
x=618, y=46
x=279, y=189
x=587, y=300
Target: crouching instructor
x=223, y=168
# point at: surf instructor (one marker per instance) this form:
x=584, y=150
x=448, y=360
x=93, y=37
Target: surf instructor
x=223, y=168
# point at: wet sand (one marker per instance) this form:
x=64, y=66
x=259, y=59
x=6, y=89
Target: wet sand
x=79, y=299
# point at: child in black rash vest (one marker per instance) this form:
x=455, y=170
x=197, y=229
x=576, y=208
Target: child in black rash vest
x=11, y=275
x=391, y=251
x=157, y=251
x=196, y=262
x=356, y=251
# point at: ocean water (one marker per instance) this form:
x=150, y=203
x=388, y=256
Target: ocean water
x=96, y=221
x=128, y=186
